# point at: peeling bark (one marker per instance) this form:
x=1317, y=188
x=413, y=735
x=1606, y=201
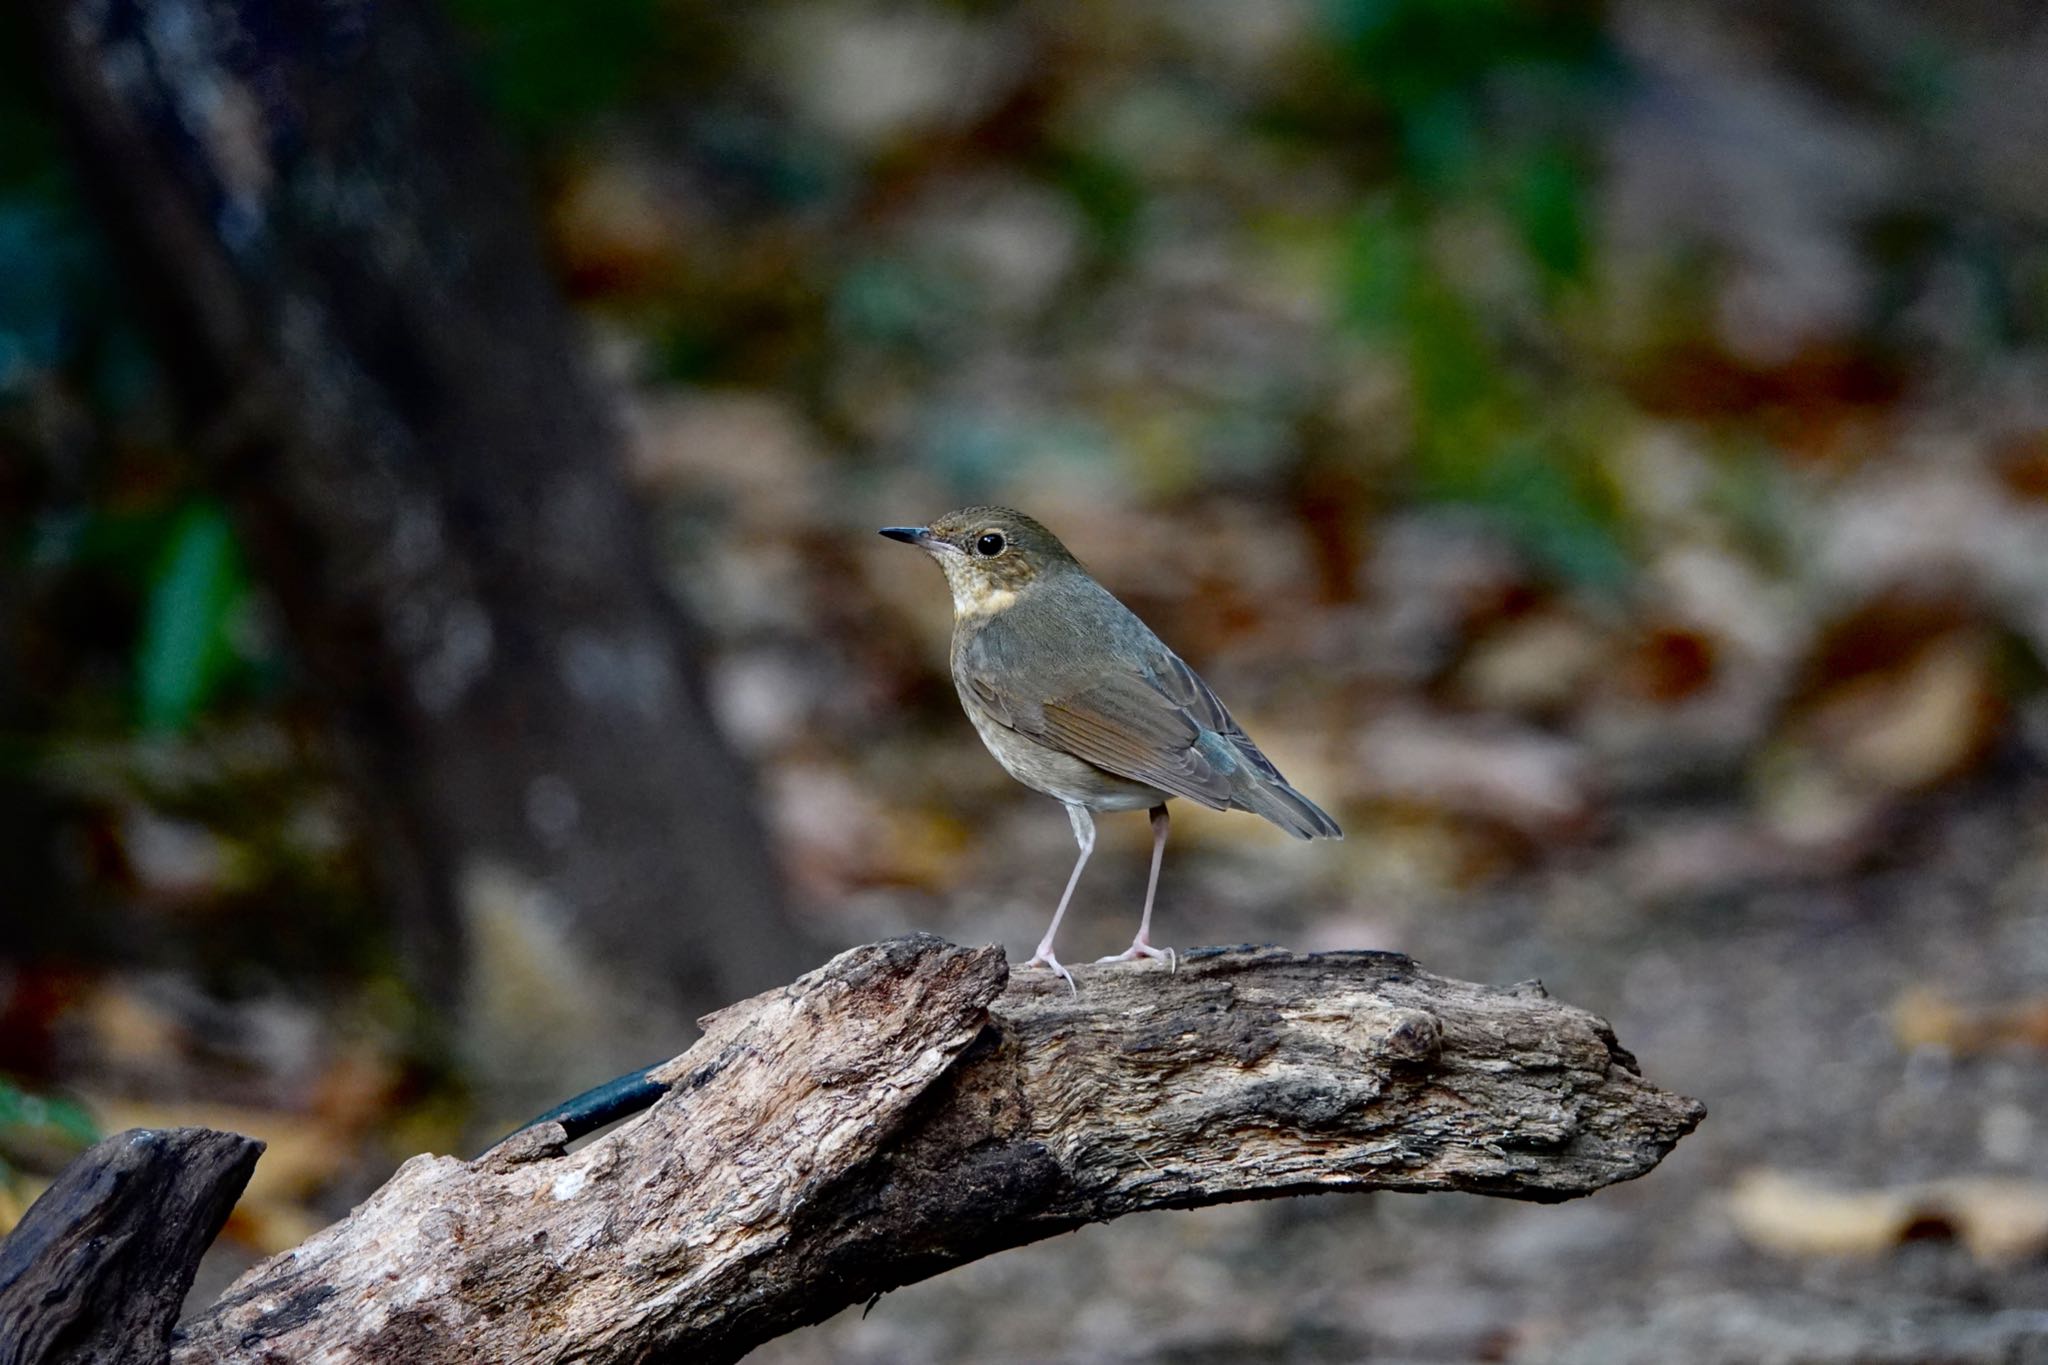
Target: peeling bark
x=913, y=1105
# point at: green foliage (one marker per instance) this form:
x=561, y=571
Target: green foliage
x=37, y=1121
x=1484, y=433
x=1438, y=68
x=546, y=64
x=1547, y=199
x=1455, y=82
x=1753, y=497
x=186, y=650
x=1108, y=195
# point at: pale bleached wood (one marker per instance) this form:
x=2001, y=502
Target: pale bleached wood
x=913, y=1105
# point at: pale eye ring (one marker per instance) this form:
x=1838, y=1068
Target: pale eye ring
x=990, y=544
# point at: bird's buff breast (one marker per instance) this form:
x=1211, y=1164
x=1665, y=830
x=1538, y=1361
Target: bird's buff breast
x=1059, y=775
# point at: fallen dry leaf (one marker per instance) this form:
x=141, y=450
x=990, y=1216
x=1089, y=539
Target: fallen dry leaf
x=745, y=445
x=2000, y=1220
x=1927, y=725
x=1708, y=855
x=1669, y=663
x=1810, y=805
x=1534, y=664
x=616, y=231
x=1530, y=781
x=1925, y=1019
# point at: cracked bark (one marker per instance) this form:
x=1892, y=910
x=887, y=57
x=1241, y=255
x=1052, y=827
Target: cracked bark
x=913, y=1105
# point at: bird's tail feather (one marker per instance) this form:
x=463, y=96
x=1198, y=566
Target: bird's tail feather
x=1287, y=808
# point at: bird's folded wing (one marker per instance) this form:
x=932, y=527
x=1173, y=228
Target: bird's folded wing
x=1183, y=686
x=1126, y=725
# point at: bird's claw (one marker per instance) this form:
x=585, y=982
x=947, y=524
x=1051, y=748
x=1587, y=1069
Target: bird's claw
x=1044, y=958
x=1139, y=948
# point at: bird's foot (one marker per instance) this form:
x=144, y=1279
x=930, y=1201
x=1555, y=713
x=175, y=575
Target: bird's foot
x=1140, y=948
x=1044, y=958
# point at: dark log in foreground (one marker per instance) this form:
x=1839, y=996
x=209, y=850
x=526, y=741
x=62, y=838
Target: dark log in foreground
x=97, y=1269
x=913, y=1105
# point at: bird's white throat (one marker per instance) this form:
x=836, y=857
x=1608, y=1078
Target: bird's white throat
x=973, y=595
x=970, y=599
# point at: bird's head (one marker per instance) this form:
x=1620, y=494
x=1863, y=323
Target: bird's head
x=991, y=555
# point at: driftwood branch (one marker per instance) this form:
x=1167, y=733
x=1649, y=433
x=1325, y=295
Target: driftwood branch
x=97, y=1269
x=913, y=1105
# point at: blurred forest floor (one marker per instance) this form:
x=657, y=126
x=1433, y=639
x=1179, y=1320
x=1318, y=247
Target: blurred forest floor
x=1602, y=455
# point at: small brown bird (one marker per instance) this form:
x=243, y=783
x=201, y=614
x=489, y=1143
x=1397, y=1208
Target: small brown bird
x=1077, y=698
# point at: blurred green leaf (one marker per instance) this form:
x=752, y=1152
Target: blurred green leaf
x=1477, y=435
x=1455, y=81
x=1441, y=143
x=1108, y=194
x=34, y=1121
x=197, y=586
x=1413, y=53
x=545, y=64
x=1379, y=277
x=1548, y=203
x=1549, y=500
x=1455, y=372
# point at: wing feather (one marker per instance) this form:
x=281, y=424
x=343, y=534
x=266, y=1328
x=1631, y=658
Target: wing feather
x=1142, y=713
x=1126, y=725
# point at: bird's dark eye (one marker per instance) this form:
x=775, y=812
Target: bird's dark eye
x=990, y=544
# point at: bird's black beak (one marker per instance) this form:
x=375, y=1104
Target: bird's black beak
x=923, y=539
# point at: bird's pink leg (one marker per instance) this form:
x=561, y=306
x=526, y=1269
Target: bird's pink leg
x=1141, y=946
x=1084, y=835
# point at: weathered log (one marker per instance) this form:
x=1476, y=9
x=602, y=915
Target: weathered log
x=913, y=1105
x=97, y=1270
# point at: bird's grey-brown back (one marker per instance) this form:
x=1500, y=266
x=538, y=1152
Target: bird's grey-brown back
x=1075, y=696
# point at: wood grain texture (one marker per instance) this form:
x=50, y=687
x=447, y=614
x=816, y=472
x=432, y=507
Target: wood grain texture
x=97, y=1269
x=913, y=1105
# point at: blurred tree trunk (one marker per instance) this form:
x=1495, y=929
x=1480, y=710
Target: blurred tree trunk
x=344, y=274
